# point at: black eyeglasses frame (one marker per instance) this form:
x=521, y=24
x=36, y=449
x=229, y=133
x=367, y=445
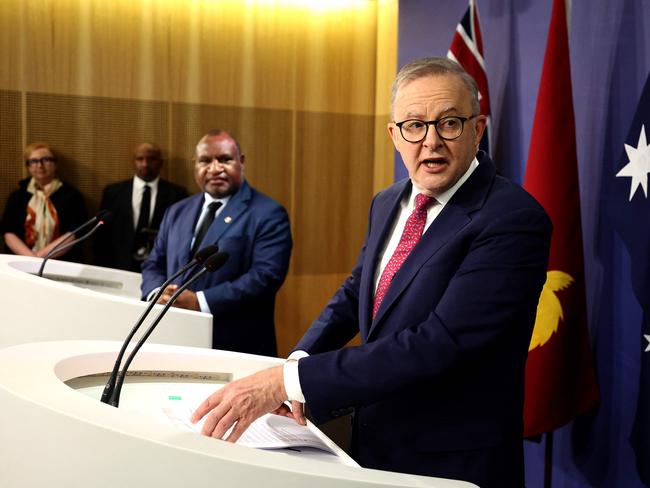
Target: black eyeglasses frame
x=435, y=123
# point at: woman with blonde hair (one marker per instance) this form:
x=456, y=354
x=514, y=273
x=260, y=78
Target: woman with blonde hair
x=43, y=210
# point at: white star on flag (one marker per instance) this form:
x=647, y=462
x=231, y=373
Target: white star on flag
x=639, y=165
x=647, y=338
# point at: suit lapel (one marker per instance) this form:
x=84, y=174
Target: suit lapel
x=384, y=214
x=456, y=215
x=126, y=202
x=162, y=199
x=184, y=231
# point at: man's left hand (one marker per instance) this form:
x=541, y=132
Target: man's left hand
x=241, y=402
x=187, y=299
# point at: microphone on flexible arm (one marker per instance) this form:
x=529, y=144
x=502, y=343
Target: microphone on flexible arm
x=199, y=258
x=211, y=264
x=100, y=219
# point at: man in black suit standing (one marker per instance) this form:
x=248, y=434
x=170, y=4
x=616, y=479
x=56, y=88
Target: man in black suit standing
x=138, y=205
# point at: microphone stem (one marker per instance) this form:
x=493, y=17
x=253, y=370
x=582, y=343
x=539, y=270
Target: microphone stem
x=61, y=247
x=110, y=384
x=115, y=396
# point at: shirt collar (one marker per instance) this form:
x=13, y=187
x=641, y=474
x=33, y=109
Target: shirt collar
x=445, y=196
x=138, y=183
x=208, y=199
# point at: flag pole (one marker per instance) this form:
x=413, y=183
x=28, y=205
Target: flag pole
x=548, y=460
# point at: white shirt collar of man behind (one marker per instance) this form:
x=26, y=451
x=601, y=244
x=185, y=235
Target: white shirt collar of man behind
x=136, y=197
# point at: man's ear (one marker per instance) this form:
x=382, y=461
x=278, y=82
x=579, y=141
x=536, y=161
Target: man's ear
x=242, y=158
x=480, y=125
x=393, y=132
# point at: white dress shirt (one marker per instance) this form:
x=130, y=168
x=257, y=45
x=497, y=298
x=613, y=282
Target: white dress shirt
x=136, y=198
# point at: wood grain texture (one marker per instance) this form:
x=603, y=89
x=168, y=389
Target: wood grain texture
x=303, y=87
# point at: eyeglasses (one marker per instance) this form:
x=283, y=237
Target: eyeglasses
x=43, y=160
x=448, y=128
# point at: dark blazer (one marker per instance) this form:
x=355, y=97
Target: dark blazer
x=70, y=208
x=437, y=384
x=254, y=230
x=114, y=241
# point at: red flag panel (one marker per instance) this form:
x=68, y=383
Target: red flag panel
x=560, y=377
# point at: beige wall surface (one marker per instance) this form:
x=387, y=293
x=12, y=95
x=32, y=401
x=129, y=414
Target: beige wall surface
x=303, y=85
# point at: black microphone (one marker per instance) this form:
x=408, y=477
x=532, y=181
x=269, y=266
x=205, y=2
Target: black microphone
x=100, y=219
x=199, y=258
x=104, y=215
x=211, y=264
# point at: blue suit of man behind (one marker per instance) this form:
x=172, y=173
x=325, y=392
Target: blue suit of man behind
x=254, y=230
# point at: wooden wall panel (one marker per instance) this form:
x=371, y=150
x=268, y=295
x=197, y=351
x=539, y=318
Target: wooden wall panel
x=94, y=135
x=334, y=69
x=94, y=48
x=253, y=54
x=303, y=86
x=264, y=135
x=334, y=161
x=12, y=166
x=299, y=302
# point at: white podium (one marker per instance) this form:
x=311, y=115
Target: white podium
x=79, y=301
x=53, y=434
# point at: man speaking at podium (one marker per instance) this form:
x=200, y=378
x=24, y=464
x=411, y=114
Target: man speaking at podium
x=444, y=296
x=251, y=227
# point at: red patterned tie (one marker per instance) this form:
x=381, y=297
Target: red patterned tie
x=410, y=237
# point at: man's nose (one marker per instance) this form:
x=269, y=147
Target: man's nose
x=432, y=139
x=215, y=165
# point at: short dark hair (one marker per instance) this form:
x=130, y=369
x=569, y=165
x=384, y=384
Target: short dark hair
x=218, y=132
x=155, y=148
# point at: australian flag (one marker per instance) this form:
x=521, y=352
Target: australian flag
x=630, y=211
x=467, y=50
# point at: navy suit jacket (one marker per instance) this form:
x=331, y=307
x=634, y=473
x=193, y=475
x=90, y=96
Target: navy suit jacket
x=115, y=240
x=254, y=230
x=437, y=384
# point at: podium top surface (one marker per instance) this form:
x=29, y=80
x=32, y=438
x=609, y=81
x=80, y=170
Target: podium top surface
x=83, y=302
x=33, y=391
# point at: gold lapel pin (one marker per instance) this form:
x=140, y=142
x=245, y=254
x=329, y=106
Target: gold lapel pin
x=227, y=220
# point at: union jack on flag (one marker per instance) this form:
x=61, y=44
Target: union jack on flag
x=467, y=50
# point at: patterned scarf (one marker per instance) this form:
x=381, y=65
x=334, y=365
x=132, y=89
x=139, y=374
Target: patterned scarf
x=42, y=221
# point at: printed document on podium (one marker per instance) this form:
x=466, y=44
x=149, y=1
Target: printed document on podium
x=268, y=432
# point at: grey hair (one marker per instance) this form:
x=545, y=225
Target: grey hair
x=423, y=67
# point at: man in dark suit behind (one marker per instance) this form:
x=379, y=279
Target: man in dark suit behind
x=124, y=242
x=251, y=227
x=444, y=295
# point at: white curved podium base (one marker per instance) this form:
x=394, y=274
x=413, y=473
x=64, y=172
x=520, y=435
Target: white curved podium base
x=53, y=435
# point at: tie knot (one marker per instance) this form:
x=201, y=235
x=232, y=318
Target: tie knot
x=422, y=201
x=146, y=188
x=213, y=207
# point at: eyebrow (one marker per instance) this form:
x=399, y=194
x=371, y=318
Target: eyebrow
x=216, y=156
x=443, y=113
